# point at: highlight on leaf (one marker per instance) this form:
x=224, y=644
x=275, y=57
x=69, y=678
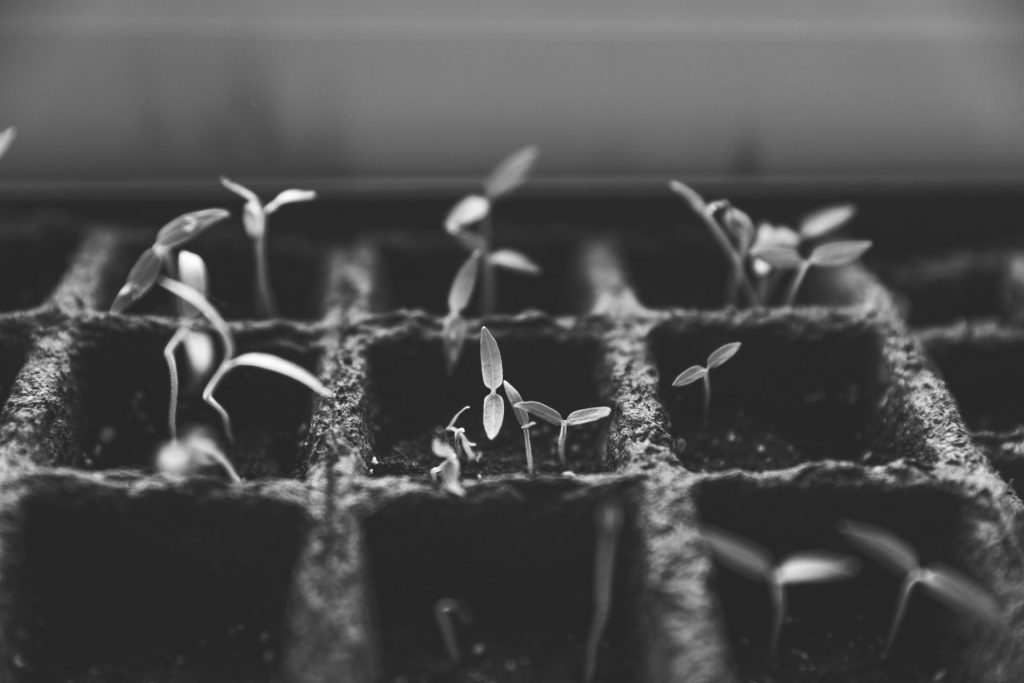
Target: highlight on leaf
x=493, y=377
x=195, y=453
x=552, y=416
x=510, y=259
x=836, y=254
x=449, y=473
x=7, y=136
x=468, y=211
x=716, y=358
x=523, y=418
x=826, y=221
x=511, y=172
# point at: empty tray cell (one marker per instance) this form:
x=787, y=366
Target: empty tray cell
x=801, y=388
x=32, y=261
x=966, y=284
x=523, y=566
x=13, y=351
x=412, y=398
x=416, y=272
x=152, y=584
x=123, y=398
x=836, y=631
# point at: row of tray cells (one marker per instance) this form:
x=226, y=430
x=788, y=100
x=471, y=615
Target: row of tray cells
x=197, y=586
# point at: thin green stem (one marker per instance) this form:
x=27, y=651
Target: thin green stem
x=529, y=449
x=488, y=276
x=562, y=433
x=172, y=370
x=778, y=594
x=266, y=305
x=909, y=582
x=735, y=261
x=798, y=279
x=707, y=397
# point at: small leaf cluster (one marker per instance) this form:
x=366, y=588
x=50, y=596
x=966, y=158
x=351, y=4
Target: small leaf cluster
x=718, y=357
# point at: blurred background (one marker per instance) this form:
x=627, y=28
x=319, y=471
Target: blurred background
x=386, y=92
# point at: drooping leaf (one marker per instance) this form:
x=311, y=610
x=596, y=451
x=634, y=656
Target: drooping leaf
x=739, y=554
x=695, y=201
x=509, y=259
x=522, y=417
x=191, y=272
x=782, y=258
x=881, y=545
x=289, y=197
x=241, y=190
x=689, y=376
x=494, y=415
x=490, y=361
x=722, y=354
x=205, y=308
x=463, y=284
x=511, y=172
x=585, y=415
x=959, y=592
x=453, y=334
x=538, y=409
x=839, y=253
x=469, y=210
x=455, y=418
x=141, y=279
x=276, y=364
x=7, y=136
x=442, y=449
x=824, y=221
x=188, y=226
x=816, y=566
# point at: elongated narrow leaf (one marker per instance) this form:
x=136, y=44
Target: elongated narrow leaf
x=722, y=354
x=510, y=259
x=689, y=376
x=191, y=272
x=289, y=197
x=511, y=172
x=538, y=409
x=455, y=418
x=276, y=364
x=839, y=253
x=881, y=545
x=585, y=415
x=522, y=417
x=494, y=415
x=739, y=554
x=188, y=226
x=827, y=220
x=471, y=209
x=960, y=593
x=816, y=566
x=199, y=302
x=464, y=283
x=241, y=190
x=781, y=258
x=6, y=138
x=490, y=361
x=695, y=201
x=141, y=279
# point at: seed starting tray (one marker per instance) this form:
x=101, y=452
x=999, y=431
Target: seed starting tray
x=325, y=563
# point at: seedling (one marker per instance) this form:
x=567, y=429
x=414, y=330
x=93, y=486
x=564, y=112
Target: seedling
x=453, y=328
x=829, y=255
x=943, y=583
x=449, y=472
x=608, y=525
x=194, y=453
x=493, y=374
x=446, y=611
x=459, y=438
x=254, y=217
x=523, y=418
x=476, y=209
x=749, y=559
x=552, y=416
x=695, y=372
x=6, y=138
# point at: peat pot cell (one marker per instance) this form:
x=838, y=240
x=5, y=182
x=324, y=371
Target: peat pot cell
x=158, y=585
x=412, y=398
x=124, y=396
x=836, y=631
x=800, y=389
x=523, y=568
x=12, y=359
x=418, y=275
x=31, y=267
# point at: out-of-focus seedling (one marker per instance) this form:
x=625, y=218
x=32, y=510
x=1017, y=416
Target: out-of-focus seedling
x=449, y=472
x=523, y=418
x=695, y=372
x=749, y=559
x=608, y=525
x=196, y=452
x=453, y=328
x=943, y=583
x=494, y=377
x=552, y=416
x=829, y=255
x=147, y=269
x=459, y=437
x=476, y=209
x=6, y=138
x=446, y=611
x=254, y=217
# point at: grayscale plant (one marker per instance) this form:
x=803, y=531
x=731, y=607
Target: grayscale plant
x=523, y=418
x=493, y=376
x=449, y=473
x=695, y=372
x=459, y=438
x=552, y=416
x=453, y=327
x=7, y=136
x=830, y=255
x=194, y=453
x=608, y=520
x=446, y=612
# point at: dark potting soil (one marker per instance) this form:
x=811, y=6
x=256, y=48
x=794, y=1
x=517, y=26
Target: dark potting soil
x=31, y=267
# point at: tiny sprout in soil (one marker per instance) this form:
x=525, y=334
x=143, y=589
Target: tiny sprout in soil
x=453, y=328
x=695, y=372
x=552, y=416
x=6, y=138
x=254, y=216
x=749, y=559
x=449, y=472
x=459, y=438
x=476, y=209
x=523, y=418
x=494, y=377
x=196, y=452
x=608, y=525
x=943, y=583
x=446, y=611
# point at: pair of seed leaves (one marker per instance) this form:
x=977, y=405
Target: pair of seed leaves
x=506, y=177
x=697, y=372
x=254, y=213
x=6, y=138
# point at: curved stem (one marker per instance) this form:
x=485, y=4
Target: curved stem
x=798, y=279
x=266, y=305
x=211, y=387
x=901, y=607
x=561, y=441
x=172, y=369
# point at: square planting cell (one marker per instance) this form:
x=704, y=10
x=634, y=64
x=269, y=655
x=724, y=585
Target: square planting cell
x=836, y=631
x=411, y=398
x=801, y=388
x=123, y=397
x=159, y=585
x=12, y=358
x=32, y=263
x=523, y=567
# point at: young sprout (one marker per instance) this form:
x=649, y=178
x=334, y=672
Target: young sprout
x=829, y=255
x=552, y=416
x=695, y=372
x=523, y=418
x=449, y=472
x=749, y=559
x=254, y=216
x=194, y=453
x=476, y=209
x=608, y=525
x=459, y=438
x=943, y=583
x=6, y=138
x=146, y=271
x=493, y=375
x=453, y=328
x=446, y=610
